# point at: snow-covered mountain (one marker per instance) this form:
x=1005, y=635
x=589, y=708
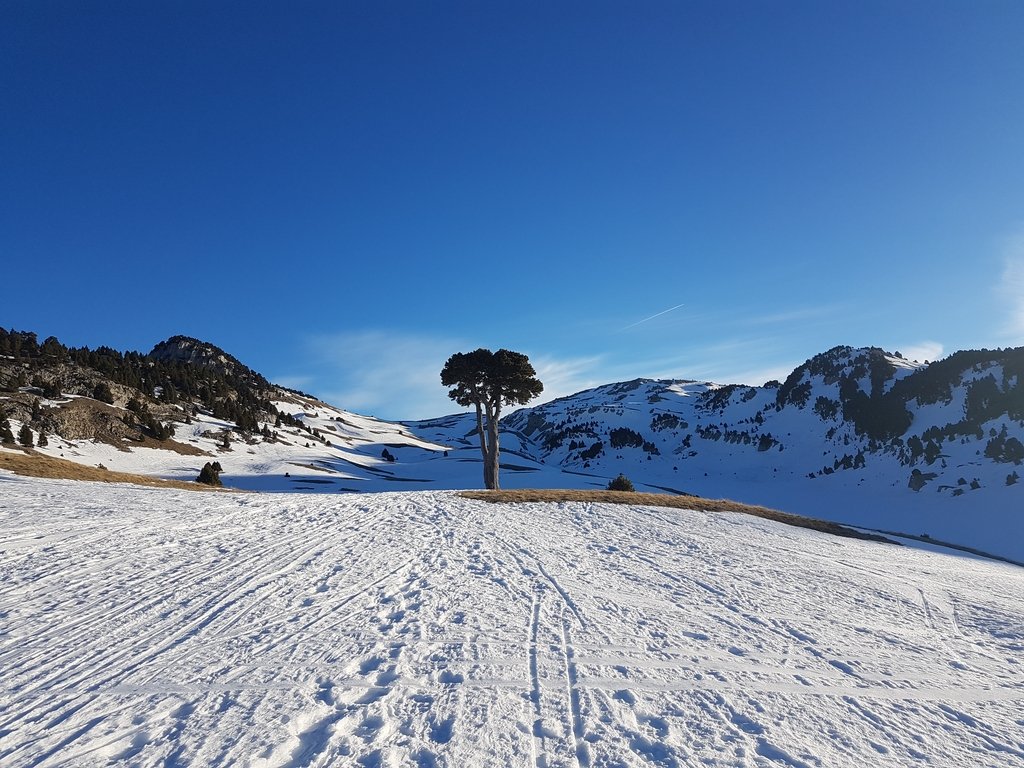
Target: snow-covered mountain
x=854, y=435
x=949, y=427
x=154, y=628
x=328, y=627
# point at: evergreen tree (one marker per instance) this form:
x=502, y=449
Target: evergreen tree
x=25, y=436
x=488, y=380
x=102, y=393
x=210, y=474
x=621, y=483
x=42, y=442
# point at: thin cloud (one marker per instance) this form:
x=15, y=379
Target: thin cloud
x=795, y=315
x=397, y=375
x=1011, y=286
x=293, y=382
x=567, y=376
x=390, y=375
x=922, y=351
x=656, y=314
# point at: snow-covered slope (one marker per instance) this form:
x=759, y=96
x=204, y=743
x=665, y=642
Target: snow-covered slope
x=318, y=448
x=147, y=627
x=854, y=435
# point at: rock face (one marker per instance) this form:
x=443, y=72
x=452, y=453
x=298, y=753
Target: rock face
x=83, y=419
x=202, y=354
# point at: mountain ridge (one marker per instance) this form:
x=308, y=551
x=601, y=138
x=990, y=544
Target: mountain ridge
x=856, y=435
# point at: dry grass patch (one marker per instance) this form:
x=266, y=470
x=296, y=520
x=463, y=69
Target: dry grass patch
x=314, y=466
x=164, y=445
x=32, y=464
x=695, y=503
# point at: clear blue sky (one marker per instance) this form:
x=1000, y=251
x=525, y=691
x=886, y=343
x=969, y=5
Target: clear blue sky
x=342, y=194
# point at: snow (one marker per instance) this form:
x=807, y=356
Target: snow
x=152, y=627
x=712, y=452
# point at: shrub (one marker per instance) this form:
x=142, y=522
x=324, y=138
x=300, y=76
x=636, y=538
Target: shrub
x=210, y=474
x=624, y=437
x=621, y=483
x=102, y=393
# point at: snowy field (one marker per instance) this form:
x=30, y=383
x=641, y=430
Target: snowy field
x=144, y=627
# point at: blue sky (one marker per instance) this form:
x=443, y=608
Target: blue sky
x=342, y=194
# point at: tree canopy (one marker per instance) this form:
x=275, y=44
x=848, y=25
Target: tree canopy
x=488, y=381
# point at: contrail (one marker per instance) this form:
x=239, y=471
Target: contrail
x=658, y=314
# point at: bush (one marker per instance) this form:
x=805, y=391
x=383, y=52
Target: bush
x=623, y=437
x=621, y=483
x=102, y=393
x=210, y=474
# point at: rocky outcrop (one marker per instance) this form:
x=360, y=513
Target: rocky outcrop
x=84, y=419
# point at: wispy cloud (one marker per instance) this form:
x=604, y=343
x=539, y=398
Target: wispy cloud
x=566, y=376
x=391, y=375
x=293, y=382
x=656, y=314
x=921, y=351
x=798, y=315
x=396, y=375
x=1011, y=286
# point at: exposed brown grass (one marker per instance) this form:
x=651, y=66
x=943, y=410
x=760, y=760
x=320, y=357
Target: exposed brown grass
x=677, y=502
x=164, y=445
x=32, y=464
x=313, y=466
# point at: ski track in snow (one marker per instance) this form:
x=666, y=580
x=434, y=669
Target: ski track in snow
x=144, y=627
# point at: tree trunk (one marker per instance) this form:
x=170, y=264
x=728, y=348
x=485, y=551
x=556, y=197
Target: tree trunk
x=483, y=444
x=491, y=461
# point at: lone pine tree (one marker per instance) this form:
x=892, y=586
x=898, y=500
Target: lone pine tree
x=488, y=380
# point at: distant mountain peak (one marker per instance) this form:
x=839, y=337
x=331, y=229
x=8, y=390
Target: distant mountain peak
x=191, y=351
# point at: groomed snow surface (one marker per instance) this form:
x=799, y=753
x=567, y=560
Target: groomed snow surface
x=149, y=627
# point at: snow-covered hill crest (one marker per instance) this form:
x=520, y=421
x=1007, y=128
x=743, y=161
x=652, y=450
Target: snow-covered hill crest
x=856, y=435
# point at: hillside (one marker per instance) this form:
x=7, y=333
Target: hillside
x=147, y=627
x=853, y=435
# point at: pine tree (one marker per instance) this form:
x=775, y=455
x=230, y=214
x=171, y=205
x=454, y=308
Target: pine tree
x=102, y=393
x=25, y=436
x=6, y=436
x=489, y=380
x=42, y=442
x=621, y=483
x=210, y=474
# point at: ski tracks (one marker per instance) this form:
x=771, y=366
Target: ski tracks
x=427, y=631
